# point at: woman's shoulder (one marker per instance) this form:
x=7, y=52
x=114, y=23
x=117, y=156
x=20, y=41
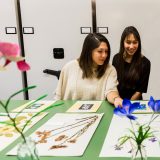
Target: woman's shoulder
x=116, y=60
x=110, y=68
x=145, y=60
x=70, y=67
x=72, y=63
x=117, y=55
x=146, y=64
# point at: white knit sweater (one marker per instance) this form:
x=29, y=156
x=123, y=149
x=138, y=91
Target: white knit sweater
x=71, y=85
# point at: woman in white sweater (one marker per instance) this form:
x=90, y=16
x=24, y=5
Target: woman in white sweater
x=90, y=77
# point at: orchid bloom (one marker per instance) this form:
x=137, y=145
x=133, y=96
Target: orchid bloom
x=127, y=109
x=154, y=104
x=11, y=53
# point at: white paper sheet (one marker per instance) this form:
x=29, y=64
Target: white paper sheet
x=8, y=133
x=36, y=107
x=85, y=106
x=61, y=121
x=119, y=127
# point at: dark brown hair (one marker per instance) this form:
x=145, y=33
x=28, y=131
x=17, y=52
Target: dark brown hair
x=91, y=42
x=134, y=71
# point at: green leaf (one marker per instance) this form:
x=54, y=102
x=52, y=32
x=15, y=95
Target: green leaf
x=50, y=107
x=2, y=104
x=146, y=133
x=123, y=140
x=133, y=133
x=54, y=105
x=16, y=93
x=140, y=134
x=3, y=115
x=30, y=104
x=10, y=124
x=22, y=90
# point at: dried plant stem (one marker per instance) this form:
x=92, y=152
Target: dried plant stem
x=81, y=120
x=86, y=122
x=68, y=129
x=80, y=132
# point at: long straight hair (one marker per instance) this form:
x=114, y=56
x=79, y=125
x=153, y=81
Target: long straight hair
x=134, y=71
x=91, y=42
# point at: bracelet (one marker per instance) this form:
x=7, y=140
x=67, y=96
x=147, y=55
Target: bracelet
x=115, y=98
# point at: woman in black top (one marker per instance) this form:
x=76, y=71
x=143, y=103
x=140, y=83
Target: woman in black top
x=133, y=68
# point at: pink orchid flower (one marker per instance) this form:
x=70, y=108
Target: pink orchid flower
x=11, y=53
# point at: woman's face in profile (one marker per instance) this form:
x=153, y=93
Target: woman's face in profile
x=130, y=45
x=100, y=54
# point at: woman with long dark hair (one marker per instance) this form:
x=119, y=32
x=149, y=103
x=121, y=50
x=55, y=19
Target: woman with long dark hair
x=133, y=68
x=90, y=77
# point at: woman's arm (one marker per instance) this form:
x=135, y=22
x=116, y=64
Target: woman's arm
x=112, y=94
x=58, y=95
x=136, y=96
x=114, y=98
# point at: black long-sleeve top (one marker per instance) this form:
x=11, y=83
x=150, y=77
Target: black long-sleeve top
x=140, y=85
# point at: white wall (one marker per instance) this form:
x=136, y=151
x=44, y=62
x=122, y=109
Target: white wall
x=57, y=25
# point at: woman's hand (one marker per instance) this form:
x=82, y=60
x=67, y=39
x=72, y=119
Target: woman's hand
x=114, y=98
x=118, y=101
